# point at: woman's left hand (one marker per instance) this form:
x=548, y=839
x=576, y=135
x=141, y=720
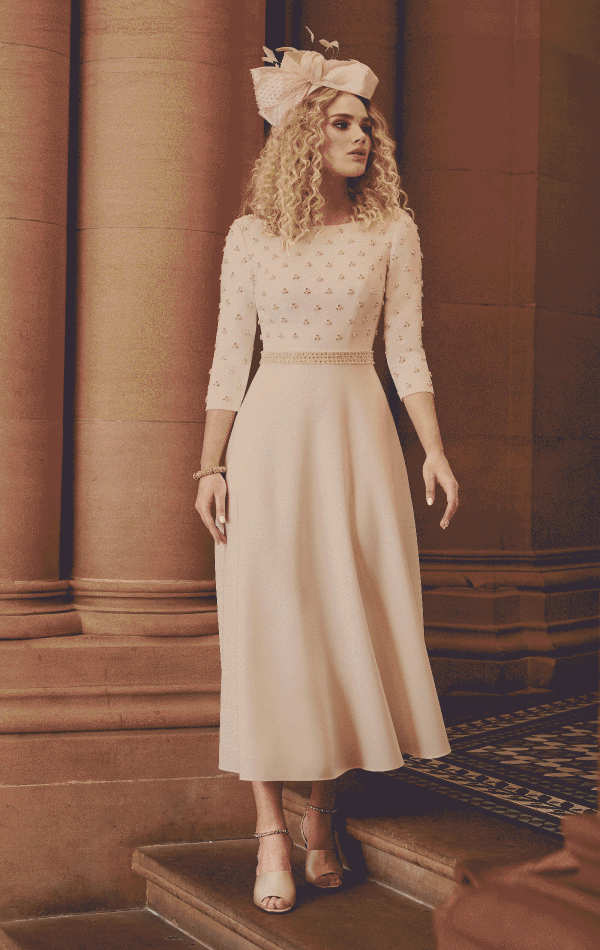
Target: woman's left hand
x=437, y=469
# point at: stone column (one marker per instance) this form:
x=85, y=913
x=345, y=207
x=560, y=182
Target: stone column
x=168, y=128
x=501, y=137
x=34, y=109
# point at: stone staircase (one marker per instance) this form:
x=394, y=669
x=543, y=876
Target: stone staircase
x=407, y=847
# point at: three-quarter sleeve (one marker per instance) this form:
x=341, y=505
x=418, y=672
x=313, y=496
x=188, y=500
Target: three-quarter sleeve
x=402, y=311
x=236, y=327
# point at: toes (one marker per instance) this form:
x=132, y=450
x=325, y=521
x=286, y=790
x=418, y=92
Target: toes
x=331, y=879
x=274, y=903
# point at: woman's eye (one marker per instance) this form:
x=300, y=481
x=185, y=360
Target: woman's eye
x=340, y=124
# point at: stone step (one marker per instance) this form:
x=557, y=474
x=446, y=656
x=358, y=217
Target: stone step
x=417, y=841
x=121, y=930
x=205, y=889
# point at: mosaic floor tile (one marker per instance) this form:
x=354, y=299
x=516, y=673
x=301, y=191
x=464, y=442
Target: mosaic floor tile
x=532, y=766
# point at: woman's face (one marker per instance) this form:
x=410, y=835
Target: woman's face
x=347, y=131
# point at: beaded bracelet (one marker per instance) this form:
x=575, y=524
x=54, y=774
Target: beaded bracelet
x=209, y=471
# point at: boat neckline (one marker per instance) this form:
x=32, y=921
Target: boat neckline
x=340, y=224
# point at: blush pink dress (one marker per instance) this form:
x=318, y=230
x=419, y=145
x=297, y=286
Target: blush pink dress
x=324, y=665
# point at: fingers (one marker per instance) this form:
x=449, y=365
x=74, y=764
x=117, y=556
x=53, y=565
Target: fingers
x=220, y=519
x=204, y=501
x=452, y=505
x=207, y=520
x=429, y=486
x=438, y=470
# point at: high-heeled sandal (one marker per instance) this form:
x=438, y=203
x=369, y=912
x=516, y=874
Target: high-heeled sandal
x=320, y=862
x=275, y=883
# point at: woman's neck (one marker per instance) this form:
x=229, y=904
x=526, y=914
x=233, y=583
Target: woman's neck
x=338, y=207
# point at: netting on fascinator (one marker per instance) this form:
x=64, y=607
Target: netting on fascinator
x=280, y=87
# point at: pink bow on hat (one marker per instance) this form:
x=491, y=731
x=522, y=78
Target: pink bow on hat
x=281, y=88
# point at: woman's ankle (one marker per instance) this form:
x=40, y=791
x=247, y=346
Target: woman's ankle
x=270, y=829
x=319, y=830
x=323, y=794
x=274, y=853
x=325, y=805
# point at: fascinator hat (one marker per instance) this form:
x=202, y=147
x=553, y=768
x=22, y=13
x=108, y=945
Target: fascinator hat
x=280, y=87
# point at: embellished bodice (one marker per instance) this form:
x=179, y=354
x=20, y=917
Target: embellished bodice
x=326, y=293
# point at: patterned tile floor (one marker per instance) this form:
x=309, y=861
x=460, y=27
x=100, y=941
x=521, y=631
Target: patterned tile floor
x=531, y=766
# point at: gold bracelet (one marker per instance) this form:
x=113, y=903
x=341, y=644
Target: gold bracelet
x=209, y=471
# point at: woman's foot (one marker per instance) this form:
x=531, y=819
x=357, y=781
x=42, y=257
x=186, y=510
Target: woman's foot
x=320, y=837
x=274, y=854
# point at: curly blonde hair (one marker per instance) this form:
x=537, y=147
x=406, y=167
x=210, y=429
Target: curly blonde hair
x=285, y=186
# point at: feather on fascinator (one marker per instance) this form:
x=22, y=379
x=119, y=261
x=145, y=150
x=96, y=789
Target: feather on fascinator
x=279, y=89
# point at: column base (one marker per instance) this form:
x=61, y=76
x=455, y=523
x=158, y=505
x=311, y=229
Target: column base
x=146, y=608
x=31, y=609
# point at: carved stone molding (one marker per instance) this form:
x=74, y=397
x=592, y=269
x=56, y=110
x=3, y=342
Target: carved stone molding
x=524, y=569
x=30, y=609
x=146, y=608
x=507, y=621
x=75, y=709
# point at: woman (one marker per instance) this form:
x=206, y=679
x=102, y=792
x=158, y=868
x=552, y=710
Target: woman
x=324, y=666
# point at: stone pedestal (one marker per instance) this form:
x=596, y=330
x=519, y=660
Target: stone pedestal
x=34, y=75
x=503, y=623
x=114, y=741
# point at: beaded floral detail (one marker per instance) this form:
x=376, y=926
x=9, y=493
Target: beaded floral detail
x=372, y=270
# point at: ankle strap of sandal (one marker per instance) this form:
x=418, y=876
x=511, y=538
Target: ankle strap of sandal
x=324, y=811
x=278, y=831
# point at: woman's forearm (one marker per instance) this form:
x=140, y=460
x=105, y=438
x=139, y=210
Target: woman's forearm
x=421, y=409
x=216, y=433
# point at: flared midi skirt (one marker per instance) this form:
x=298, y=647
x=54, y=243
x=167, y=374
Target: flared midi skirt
x=324, y=665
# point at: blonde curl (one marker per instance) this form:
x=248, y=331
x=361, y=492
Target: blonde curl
x=285, y=186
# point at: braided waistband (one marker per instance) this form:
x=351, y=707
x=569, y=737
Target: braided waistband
x=317, y=356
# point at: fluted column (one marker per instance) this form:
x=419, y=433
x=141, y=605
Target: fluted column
x=168, y=126
x=34, y=106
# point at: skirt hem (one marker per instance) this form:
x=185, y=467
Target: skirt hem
x=335, y=773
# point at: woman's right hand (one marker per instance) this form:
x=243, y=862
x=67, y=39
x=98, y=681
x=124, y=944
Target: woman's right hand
x=209, y=487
